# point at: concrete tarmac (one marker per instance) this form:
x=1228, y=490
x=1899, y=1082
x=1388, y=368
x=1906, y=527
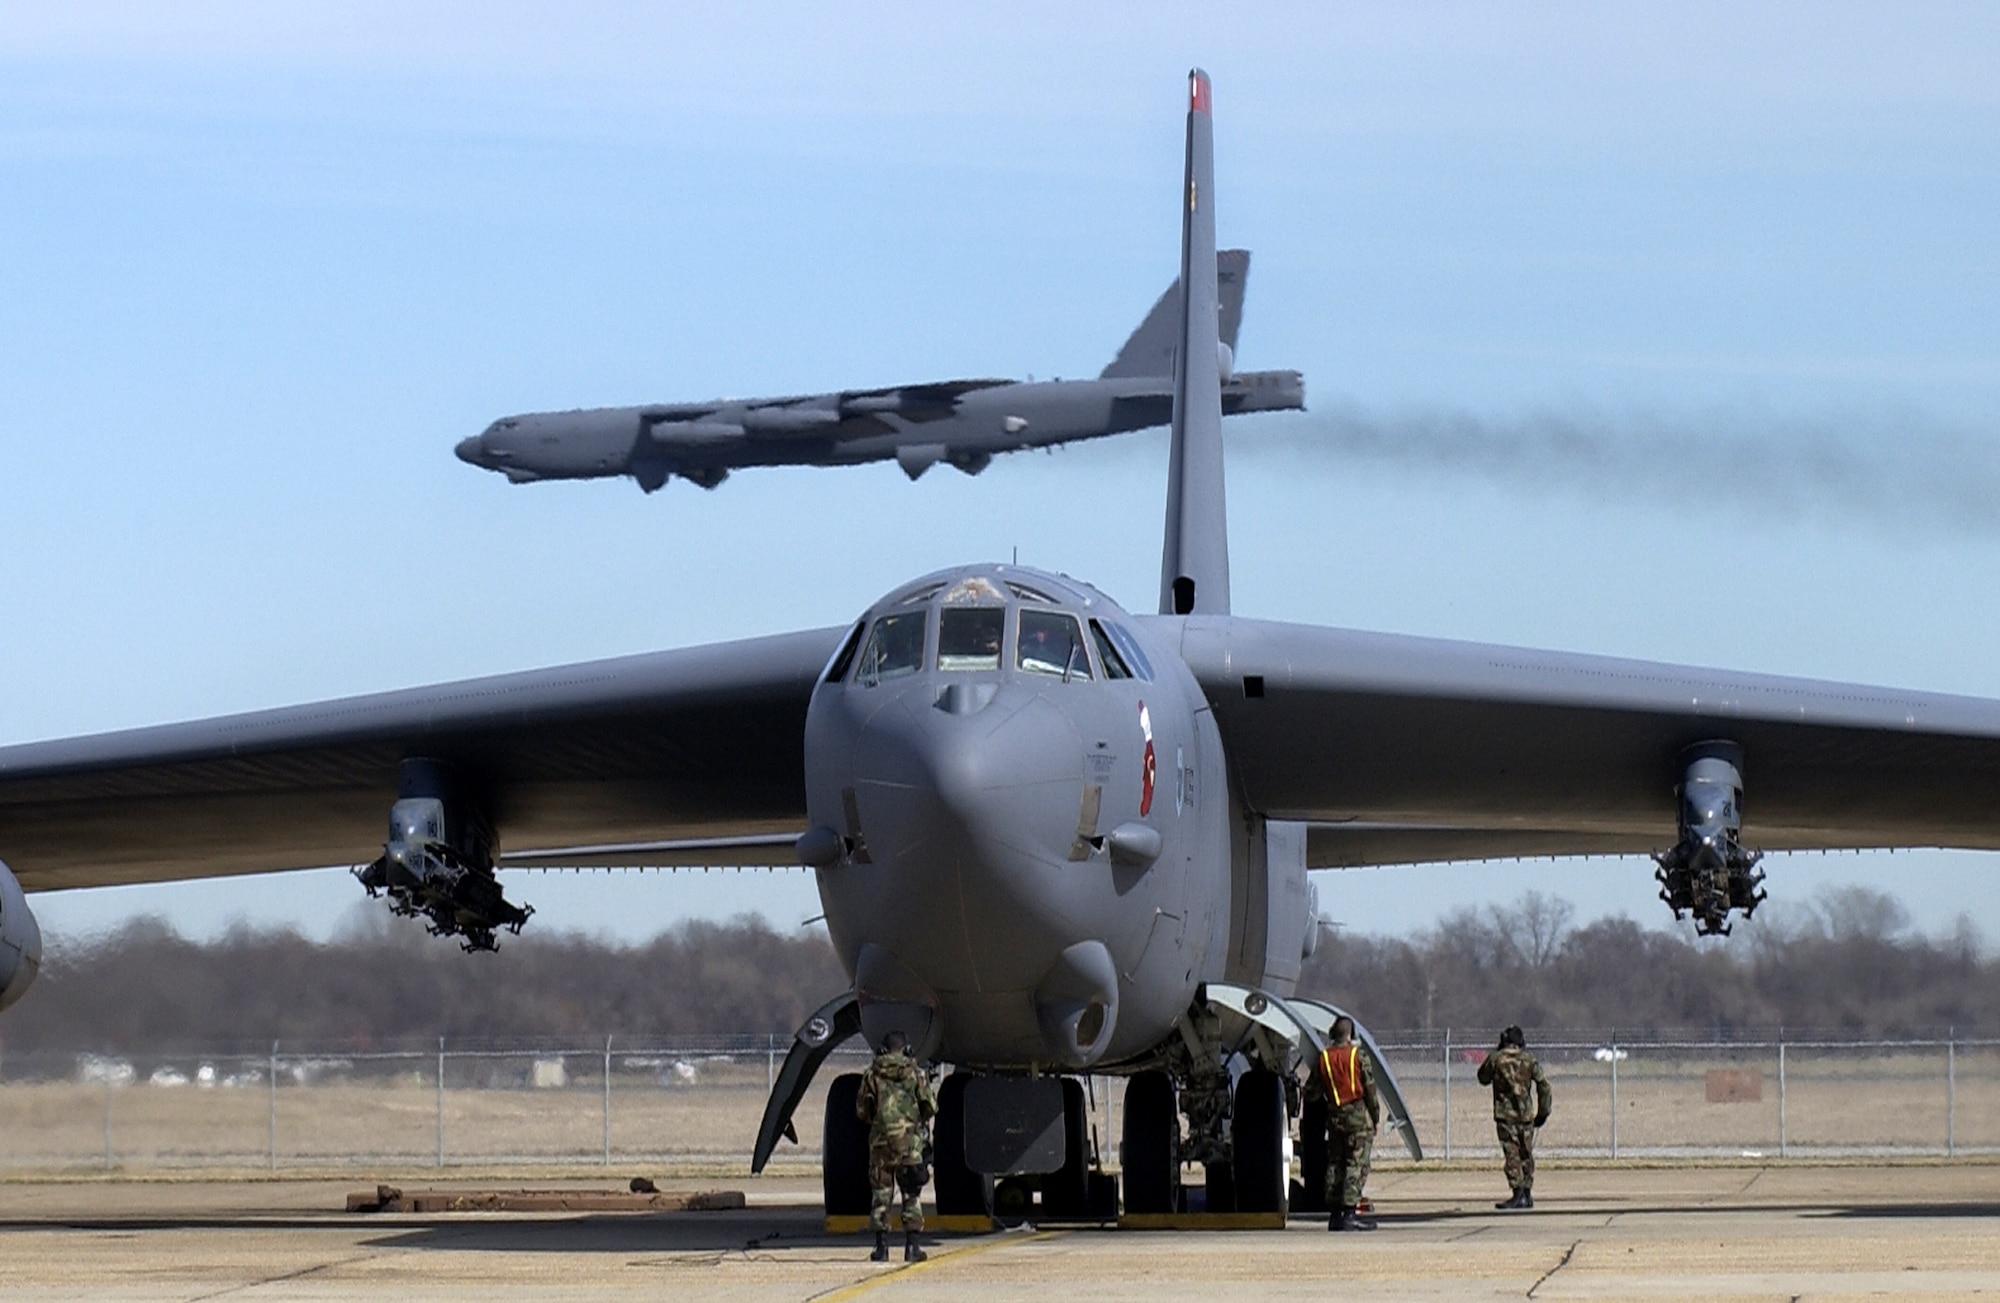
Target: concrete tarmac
x=1783, y=1232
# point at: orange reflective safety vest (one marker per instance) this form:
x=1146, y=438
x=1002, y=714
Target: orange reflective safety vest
x=1340, y=1073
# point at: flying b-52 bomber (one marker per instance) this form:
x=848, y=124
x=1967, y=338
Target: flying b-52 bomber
x=1053, y=837
x=962, y=423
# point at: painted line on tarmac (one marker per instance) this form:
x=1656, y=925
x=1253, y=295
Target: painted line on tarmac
x=860, y=1287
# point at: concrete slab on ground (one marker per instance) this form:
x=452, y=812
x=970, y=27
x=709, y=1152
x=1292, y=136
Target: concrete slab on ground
x=1748, y=1232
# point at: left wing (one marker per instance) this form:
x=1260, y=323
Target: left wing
x=690, y=756
x=1405, y=750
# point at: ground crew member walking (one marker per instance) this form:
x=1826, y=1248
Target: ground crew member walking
x=1353, y=1115
x=1522, y=1099
x=897, y=1104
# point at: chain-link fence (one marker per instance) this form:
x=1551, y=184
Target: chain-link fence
x=696, y=1102
x=1768, y=1096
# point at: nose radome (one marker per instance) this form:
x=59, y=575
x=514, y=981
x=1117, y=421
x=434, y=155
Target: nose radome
x=470, y=450
x=994, y=768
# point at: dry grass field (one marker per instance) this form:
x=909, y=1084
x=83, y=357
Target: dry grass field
x=1847, y=1100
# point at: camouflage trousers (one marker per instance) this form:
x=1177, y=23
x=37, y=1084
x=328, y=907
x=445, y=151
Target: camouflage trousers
x=1350, y=1147
x=885, y=1160
x=1517, y=1151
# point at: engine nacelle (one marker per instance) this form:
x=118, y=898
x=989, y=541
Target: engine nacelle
x=1709, y=873
x=20, y=940
x=437, y=863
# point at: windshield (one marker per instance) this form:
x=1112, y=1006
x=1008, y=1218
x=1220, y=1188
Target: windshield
x=1114, y=664
x=895, y=648
x=1052, y=643
x=969, y=637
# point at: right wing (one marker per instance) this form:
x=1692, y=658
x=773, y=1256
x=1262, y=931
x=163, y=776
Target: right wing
x=1414, y=750
x=690, y=756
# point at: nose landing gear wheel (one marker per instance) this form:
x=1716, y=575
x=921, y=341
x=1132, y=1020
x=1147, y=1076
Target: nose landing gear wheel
x=843, y=1153
x=1066, y=1191
x=1311, y=1192
x=960, y=1190
x=1151, y=1132
x=1258, y=1130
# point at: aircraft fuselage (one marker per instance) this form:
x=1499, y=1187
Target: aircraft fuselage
x=1024, y=822
x=963, y=424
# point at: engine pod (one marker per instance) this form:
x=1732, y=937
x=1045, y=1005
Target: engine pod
x=20, y=940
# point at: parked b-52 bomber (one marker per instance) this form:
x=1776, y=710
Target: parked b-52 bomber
x=1052, y=837
x=962, y=423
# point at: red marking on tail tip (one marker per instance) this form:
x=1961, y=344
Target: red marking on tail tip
x=1198, y=92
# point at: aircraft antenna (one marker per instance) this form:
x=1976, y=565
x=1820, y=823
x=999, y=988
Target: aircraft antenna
x=1194, y=565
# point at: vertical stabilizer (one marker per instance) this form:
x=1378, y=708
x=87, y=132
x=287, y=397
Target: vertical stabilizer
x=1194, y=566
x=1150, y=350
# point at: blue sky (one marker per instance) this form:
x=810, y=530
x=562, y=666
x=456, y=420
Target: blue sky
x=262, y=266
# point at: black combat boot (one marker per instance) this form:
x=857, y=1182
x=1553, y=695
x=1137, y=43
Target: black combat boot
x=1513, y=1200
x=1354, y=1221
x=1527, y=1197
x=1336, y=1220
x=911, y=1253
x=881, y=1253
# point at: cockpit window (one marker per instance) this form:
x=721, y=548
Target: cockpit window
x=1051, y=643
x=895, y=648
x=1128, y=647
x=923, y=594
x=1028, y=594
x=843, y=660
x=1114, y=664
x=974, y=588
x=969, y=636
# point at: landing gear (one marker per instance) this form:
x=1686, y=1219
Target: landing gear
x=1309, y=1196
x=844, y=1150
x=1066, y=1191
x=1259, y=1128
x=1151, y=1144
x=960, y=1190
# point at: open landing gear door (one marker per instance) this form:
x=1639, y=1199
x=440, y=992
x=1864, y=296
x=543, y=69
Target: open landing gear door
x=1321, y=1015
x=811, y=1044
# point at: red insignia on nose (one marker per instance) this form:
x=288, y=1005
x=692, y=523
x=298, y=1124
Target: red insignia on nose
x=1146, y=764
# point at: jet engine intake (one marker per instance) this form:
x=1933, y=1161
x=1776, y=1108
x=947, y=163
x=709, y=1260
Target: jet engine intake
x=1708, y=873
x=20, y=940
x=437, y=863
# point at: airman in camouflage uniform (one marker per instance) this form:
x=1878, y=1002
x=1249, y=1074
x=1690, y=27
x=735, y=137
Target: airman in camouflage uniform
x=897, y=1103
x=1353, y=1116
x=1522, y=1099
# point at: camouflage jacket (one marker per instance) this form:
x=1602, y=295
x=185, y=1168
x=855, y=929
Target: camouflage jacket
x=895, y=1099
x=1521, y=1091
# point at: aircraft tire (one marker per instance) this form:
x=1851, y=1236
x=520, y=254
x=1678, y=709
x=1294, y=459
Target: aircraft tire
x=1218, y=1188
x=843, y=1152
x=1258, y=1130
x=960, y=1190
x=1313, y=1158
x=1151, y=1126
x=1066, y=1191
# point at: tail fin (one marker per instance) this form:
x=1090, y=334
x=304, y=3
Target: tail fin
x=1150, y=350
x=1194, y=565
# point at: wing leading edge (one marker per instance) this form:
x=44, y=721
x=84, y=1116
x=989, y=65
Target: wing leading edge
x=690, y=748
x=1405, y=750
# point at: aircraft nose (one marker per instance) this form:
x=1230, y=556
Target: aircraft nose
x=969, y=797
x=472, y=450
x=990, y=775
